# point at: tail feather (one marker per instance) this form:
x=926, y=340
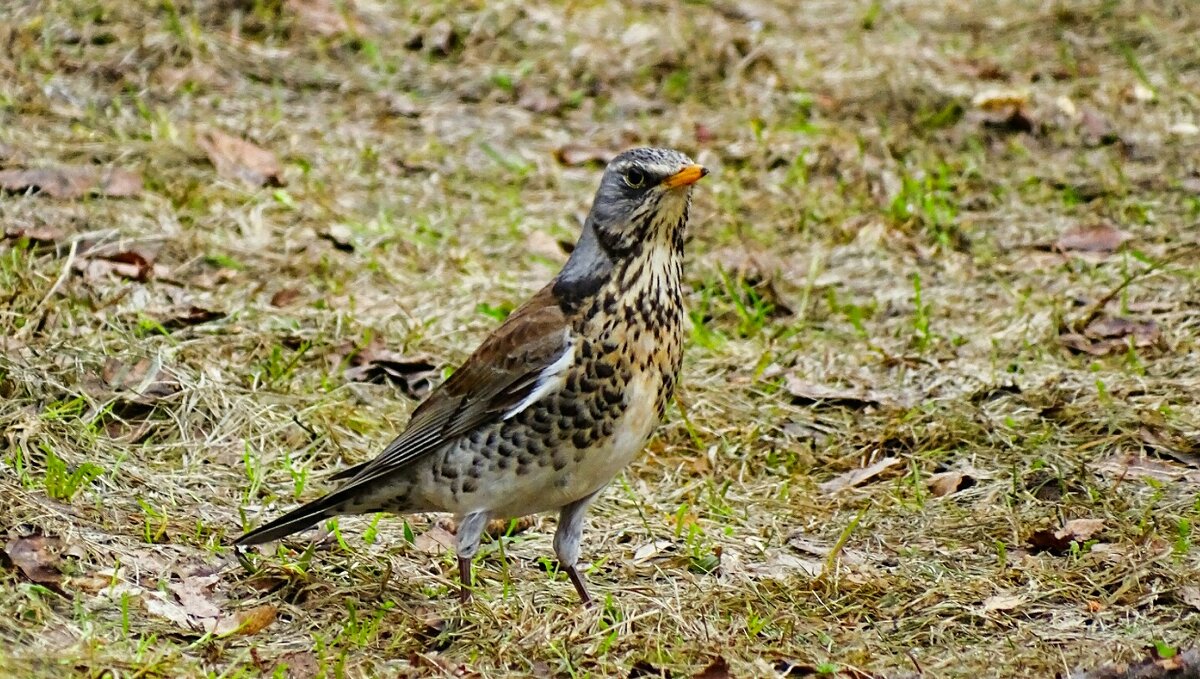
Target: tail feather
x=304, y=516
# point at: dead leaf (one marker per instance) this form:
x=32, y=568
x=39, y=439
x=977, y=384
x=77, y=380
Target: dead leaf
x=195, y=595
x=146, y=379
x=73, y=181
x=650, y=550
x=1137, y=466
x=436, y=540
x=1111, y=334
x=129, y=264
x=1190, y=595
x=414, y=375
x=440, y=39
x=299, y=665
x=186, y=316
x=498, y=528
x=1169, y=443
x=1101, y=237
x=1000, y=100
x=572, y=155
x=1002, y=602
x=246, y=622
x=284, y=297
x=37, y=235
x=803, y=392
x=323, y=17
x=37, y=557
x=946, y=483
x=718, y=669
x=238, y=159
x=856, y=477
x=1059, y=541
x=704, y=134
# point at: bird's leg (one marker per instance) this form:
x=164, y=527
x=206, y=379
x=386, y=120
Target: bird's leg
x=470, y=529
x=566, y=543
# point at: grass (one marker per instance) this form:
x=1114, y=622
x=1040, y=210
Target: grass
x=864, y=227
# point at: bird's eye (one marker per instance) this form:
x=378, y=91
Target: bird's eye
x=635, y=178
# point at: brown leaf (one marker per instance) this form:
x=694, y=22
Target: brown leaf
x=856, y=477
x=1002, y=602
x=186, y=316
x=247, y=622
x=37, y=235
x=73, y=181
x=718, y=669
x=129, y=264
x=414, y=375
x=436, y=540
x=284, y=297
x=1111, y=334
x=37, y=557
x=1096, y=127
x=146, y=379
x=1137, y=466
x=946, y=483
x=1172, y=444
x=1059, y=541
x=299, y=664
x=238, y=159
x=1190, y=595
x=1101, y=237
x=704, y=134
x=579, y=154
x=803, y=392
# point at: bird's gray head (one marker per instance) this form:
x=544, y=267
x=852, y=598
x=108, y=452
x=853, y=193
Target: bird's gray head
x=642, y=203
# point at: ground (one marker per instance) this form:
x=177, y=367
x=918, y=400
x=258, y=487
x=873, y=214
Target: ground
x=938, y=409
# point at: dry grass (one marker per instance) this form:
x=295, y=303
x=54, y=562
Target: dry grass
x=849, y=164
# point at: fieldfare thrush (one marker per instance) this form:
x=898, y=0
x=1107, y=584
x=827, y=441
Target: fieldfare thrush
x=562, y=396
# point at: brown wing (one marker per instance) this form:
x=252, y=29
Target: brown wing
x=503, y=371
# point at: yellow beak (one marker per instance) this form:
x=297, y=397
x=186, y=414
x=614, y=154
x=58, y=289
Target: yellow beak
x=687, y=176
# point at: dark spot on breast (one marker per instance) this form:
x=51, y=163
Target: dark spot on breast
x=580, y=438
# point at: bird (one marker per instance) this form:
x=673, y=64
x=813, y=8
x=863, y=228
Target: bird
x=557, y=400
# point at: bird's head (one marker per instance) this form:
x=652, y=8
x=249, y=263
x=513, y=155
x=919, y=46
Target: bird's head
x=642, y=203
x=643, y=197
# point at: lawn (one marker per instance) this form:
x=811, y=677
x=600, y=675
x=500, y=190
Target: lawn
x=938, y=409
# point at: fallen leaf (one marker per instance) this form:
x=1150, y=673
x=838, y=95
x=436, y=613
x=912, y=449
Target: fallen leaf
x=704, y=134
x=284, y=297
x=803, y=392
x=718, y=669
x=1000, y=100
x=299, y=665
x=129, y=264
x=37, y=235
x=1137, y=466
x=238, y=159
x=1101, y=237
x=145, y=379
x=781, y=565
x=945, y=483
x=498, y=528
x=1190, y=595
x=1059, y=541
x=1172, y=444
x=1111, y=334
x=72, y=181
x=195, y=595
x=856, y=477
x=572, y=155
x=186, y=316
x=650, y=549
x=37, y=557
x=436, y=540
x=1002, y=602
x=246, y=622
x=414, y=375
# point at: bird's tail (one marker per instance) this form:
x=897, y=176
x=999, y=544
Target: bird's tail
x=297, y=520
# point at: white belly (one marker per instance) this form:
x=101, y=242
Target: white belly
x=546, y=488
